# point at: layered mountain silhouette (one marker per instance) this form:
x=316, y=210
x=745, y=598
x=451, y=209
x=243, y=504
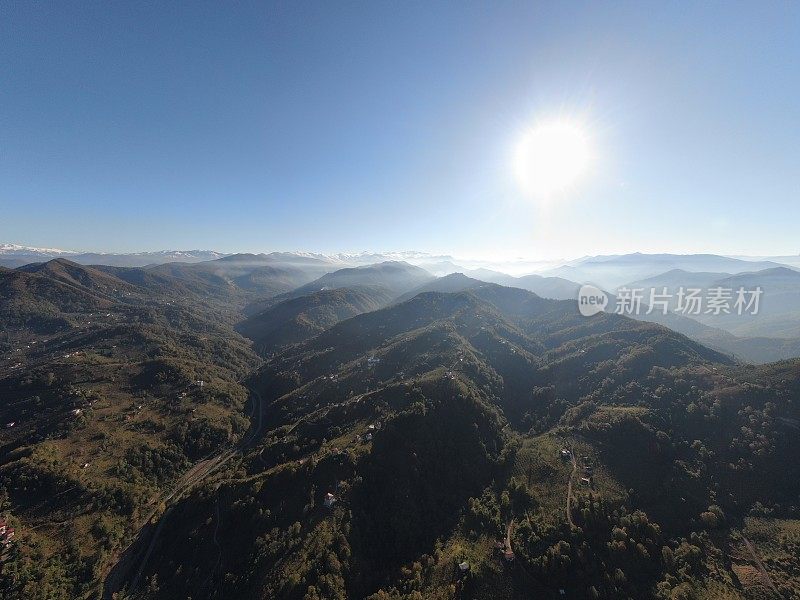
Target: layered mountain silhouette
x=296, y=319
x=396, y=276
x=610, y=272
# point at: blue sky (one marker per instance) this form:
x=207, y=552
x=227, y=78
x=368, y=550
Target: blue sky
x=333, y=126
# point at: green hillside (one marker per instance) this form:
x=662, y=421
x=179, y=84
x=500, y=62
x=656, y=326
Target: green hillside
x=298, y=319
x=377, y=449
x=437, y=426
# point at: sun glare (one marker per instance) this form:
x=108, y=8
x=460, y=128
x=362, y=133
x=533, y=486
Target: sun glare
x=551, y=157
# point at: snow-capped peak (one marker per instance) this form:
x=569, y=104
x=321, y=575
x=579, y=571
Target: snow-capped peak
x=18, y=250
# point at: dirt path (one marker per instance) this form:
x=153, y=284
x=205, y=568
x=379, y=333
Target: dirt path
x=569, y=488
x=509, y=530
x=761, y=569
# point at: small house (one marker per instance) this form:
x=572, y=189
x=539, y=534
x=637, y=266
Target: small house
x=586, y=481
x=566, y=454
x=330, y=500
x=368, y=437
x=463, y=566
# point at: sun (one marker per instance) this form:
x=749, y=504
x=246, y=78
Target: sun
x=551, y=157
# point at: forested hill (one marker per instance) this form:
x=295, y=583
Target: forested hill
x=297, y=319
x=437, y=425
x=409, y=451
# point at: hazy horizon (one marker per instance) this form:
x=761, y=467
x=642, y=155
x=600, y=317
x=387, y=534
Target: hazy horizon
x=422, y=254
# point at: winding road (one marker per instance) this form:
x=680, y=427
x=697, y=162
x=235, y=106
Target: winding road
x=509, y=530
x=131, y=559
x=569, y=488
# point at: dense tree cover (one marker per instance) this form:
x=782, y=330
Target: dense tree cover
x=474, y=404
x=107, y=413
x=405, y=452
x=298, y=318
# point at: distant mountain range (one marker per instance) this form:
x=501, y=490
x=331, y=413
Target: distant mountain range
x=779, y=306
x=14, y=255
x=610, y=272
x=557, y=288
x=605, y=270
x=773, y=334
x=396, y=276
x=261, y=281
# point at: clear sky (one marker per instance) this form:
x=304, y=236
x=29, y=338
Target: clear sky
x=341, y=126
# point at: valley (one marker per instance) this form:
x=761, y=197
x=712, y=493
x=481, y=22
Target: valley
x=375, y=437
